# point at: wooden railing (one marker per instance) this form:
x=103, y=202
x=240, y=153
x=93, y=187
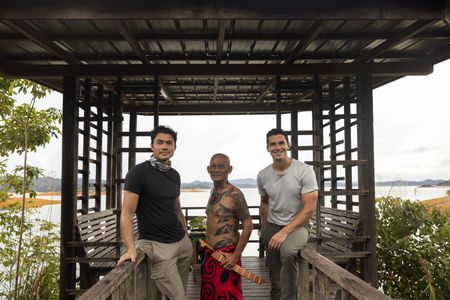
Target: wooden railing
x=131, y=280
x=326, y=273
x=128, y=281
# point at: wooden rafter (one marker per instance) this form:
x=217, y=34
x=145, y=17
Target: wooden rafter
x=378, y=69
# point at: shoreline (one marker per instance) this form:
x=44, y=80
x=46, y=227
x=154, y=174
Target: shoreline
x=29, y=202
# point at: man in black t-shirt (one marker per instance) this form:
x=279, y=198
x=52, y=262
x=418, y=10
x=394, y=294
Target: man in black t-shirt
x=152, y=191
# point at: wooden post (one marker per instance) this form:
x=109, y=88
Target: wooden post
x=348, y=143
x=86, y=151
x=332, y=113
x=318, y=146
x=303, y=279
x=278, y=102
x=68, y=184
x=294, y=134
x=132, y=140
x=110, y=190
x=99, y=149
x=320, y=283
x=156, y=102
x=117, y=144
x=366, y=175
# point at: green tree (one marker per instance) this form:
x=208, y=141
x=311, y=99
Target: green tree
x=39, y=269
x=413, y=248
x=24, y=128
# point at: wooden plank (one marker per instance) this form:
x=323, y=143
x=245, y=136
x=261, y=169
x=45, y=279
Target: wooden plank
x=112, y=281
x=356, y=286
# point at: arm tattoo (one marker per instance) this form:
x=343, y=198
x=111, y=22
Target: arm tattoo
x=240, y=206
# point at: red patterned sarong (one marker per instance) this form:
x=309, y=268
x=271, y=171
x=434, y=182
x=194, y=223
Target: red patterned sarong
x=218, y=283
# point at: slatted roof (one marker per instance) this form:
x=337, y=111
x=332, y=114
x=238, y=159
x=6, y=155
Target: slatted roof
x=220, y=53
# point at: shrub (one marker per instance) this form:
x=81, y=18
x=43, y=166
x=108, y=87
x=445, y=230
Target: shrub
x=413, y=250
x=39, y=268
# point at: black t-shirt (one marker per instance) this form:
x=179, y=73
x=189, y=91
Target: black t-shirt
x=156, y=211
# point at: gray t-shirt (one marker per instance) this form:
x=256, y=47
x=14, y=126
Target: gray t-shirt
x=285, y=190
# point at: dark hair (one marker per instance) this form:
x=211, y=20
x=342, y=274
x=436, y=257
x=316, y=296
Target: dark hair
x=276, y=131
x=163, y=129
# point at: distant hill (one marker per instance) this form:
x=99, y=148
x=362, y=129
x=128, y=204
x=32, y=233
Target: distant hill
x=426, y=182
x=444, y=183
x=205, y=185
x=240, y=183
x=48, y=184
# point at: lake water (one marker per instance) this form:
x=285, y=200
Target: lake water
x=200, y=198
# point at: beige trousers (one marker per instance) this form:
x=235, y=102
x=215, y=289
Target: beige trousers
x=169, y=265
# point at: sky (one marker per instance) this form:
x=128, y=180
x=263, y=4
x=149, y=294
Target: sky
x=411, y=130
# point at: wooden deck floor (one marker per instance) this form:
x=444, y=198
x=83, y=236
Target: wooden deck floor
x=252, y=291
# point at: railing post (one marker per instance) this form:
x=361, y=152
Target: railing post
x=320, y=285
x=303, y=279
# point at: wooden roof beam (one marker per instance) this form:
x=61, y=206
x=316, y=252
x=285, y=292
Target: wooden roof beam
x=377, y=69
x=203, y=57
x=312, y=34
x=134, y=44
x=298, y=50
x=217, y=108
x=233, y=9
x=220, y=40
x=43, y=41
x=131, y=40
x=442, y=33
x=402, y=36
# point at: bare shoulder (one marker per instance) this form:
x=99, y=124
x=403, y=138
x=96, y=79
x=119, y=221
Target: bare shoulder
x=237, y=194
x=240, y=204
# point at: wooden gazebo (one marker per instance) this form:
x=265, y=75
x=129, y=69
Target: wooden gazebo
x=112, y=58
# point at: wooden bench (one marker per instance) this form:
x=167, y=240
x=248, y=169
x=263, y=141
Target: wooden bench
x=339, y=239
x=100, y=244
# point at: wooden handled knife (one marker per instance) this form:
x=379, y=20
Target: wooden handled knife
x=238, y=269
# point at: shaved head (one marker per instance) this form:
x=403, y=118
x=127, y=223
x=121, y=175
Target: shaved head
x=221, y=155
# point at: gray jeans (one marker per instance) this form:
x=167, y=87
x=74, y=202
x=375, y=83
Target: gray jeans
x=283, y=264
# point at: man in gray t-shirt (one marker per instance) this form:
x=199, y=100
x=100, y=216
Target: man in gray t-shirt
x=288, y=190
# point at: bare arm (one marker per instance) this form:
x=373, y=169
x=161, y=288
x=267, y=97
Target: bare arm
x=130, y=201
x=181, y=215
x=309, y=207
x=264, y=211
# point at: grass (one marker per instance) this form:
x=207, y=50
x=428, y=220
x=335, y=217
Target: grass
x=29, y=202
x=442, y=203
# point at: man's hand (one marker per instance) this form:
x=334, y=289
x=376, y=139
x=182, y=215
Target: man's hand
x=129, y=255
x=230, y=260
x=277, y=240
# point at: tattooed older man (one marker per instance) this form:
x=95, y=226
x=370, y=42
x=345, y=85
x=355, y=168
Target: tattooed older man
x=226, y=208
